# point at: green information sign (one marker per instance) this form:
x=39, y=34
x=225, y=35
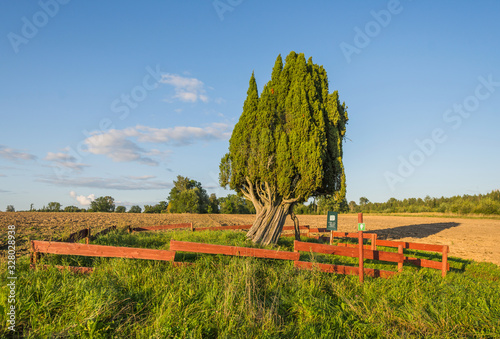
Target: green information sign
x=331, y=222
x=361, y=227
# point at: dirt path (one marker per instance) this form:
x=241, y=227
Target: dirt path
x=477, y=239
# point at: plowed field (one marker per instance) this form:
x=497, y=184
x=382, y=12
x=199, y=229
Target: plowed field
x=477, y=239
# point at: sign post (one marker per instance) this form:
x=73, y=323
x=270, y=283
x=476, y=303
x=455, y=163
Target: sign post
x=360, y=241
x=331, y=223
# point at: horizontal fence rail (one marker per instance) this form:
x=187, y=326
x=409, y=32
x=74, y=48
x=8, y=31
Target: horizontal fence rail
x=100, y=251
x=347, y=251
x=350, y=270
x=194, y=247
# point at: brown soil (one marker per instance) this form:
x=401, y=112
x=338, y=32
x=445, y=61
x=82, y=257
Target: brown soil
x=476, y=239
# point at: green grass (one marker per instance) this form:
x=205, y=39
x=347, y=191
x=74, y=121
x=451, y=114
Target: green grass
x=232, y=297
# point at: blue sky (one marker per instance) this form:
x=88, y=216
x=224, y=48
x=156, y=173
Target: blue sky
x=119, y=97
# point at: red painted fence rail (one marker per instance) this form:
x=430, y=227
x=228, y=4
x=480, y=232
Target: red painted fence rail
x=347, y=251
x=194, y=247
x=339, y=269
x=99, y=251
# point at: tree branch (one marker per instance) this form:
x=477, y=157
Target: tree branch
x=262, y=194
x=251, y=196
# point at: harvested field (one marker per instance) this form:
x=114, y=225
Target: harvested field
x=475, y=239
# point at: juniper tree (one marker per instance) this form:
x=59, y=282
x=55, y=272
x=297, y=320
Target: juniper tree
x=287, y=145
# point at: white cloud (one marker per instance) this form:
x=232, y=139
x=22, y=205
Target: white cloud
x=122, y=145
x=116, y=145
x=81, y=199
x=66, y=160
x=186, y=89
x=12, y=154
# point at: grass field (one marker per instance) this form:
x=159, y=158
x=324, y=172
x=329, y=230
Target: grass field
x=231, y=297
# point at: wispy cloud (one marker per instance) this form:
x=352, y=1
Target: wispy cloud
x=186, y=89
x=65, y=160
x=142, y=177
x=123, y=145
x=122, y=183
x=15, y=155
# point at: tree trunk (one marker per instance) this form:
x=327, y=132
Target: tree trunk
x=295, y=224
x=269, y=223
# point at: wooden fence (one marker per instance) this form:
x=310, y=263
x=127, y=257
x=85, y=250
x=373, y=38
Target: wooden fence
x=348, y=250
x=194, y=247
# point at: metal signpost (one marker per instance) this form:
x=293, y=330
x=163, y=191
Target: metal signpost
x=331, y=224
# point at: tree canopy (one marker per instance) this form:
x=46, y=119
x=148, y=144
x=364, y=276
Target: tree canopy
x=103, y=204
x=188, y=196
x=287, y=144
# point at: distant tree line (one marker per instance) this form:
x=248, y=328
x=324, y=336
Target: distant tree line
x=188, y=196
x=466, y=204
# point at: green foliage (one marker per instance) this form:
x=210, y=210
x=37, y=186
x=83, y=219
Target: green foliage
x=330, y=203
x=161, y=207
x=187, y=196
x=120, y=209
x=466, y=204
x=102, y=204
x=290, y=136
x=213, y=204
x=54, y=207
x=10, y=208
x=234, y=204
x=135, y=209
x=305, y=209
x=363, y=201
x=234, y=297
x=73, y=209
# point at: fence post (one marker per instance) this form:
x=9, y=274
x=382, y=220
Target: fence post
x=360, y=245
x=400, y=264
x=445, y=261
x=34, y=254
x=87, y=240
x=192, y=229
x=374, y=241
x=361, y=264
